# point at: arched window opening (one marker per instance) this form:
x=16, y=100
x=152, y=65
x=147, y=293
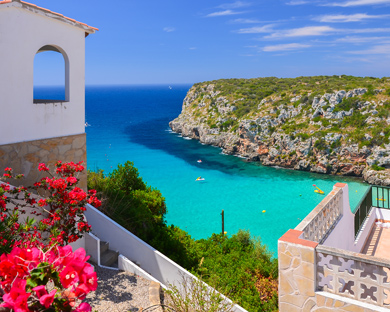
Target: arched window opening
x=50, y=72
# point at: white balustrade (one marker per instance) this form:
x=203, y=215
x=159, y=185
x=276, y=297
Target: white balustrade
x=352, y=275
x=317, y=225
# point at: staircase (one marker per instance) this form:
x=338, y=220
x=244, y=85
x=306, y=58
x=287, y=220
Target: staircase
x=108, y=257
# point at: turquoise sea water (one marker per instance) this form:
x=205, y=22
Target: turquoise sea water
x=131, y=123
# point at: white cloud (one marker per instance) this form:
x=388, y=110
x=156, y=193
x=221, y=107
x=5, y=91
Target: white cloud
x=256, y=30
x=303, y=32
x=192, y=48
x=285, y=47
x=169, y=29
x=379, y=49
x=360, y=40
x=367, y=30
x=245, y=21
x=297, y=2
x=358, y=3
x=223, y=13
x=234, y=5
x=340, y=18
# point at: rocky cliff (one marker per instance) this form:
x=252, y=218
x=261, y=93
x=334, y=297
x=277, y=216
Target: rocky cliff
x=328, y=124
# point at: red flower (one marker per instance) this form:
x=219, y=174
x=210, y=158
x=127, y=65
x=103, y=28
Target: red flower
x=42, y=167
x=42, y=202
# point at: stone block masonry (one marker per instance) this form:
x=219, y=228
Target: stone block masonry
x=24, y=157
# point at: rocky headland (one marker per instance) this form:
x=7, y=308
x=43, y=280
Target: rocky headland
x=336, y=125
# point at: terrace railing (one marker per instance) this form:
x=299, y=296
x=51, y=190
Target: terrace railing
x=362, y=210
x=319, y=223
x=375, y=196
x=353, y=275
x=380, y=197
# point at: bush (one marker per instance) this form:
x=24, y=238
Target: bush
x=57, y=219
x=303, y=136
x=195, y=296
x=236, y=265
x=321, y=144
x=377, y=168
x=346, y=104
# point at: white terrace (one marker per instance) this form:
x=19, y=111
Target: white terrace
x=338, y=260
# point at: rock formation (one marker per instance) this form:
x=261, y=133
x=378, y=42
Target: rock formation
x=339, y=132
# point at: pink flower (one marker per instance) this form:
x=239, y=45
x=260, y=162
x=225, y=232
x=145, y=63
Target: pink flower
x=16, y=299
x=79, y=260
x=69, y=276
x=84, y=307
x=48, y=299
x=40, y=291
x=89, y=278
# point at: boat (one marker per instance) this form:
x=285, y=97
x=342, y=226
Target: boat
x=318, y=190
x=199, y=161
x=199, y=179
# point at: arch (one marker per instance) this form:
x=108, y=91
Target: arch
x=66, y=68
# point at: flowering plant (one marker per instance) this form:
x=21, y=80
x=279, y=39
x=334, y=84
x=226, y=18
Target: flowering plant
x=27, y=221
x=55, y=280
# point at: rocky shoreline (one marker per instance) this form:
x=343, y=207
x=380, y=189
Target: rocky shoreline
x=262, y=138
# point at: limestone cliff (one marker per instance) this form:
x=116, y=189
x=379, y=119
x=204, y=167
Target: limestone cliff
x=325, y=124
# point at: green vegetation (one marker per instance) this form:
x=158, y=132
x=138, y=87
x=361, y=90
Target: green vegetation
x=377, y=168
x=346, y=104
x=239, y=266
x=247, y=96
x=321, y=144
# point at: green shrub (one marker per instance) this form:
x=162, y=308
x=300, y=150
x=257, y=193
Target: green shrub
x=321, y=144
x=303, y=136
x=346, y=104
x=377, y=168
x=336, y=144
x=235, y=264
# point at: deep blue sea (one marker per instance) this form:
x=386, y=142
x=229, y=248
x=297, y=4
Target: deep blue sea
x=131, y=123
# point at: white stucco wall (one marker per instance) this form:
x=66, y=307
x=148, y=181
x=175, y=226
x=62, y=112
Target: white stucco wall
x=382, y=214
x=343, y=235
x=22, y=33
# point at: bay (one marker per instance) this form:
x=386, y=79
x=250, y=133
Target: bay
x=131, y=123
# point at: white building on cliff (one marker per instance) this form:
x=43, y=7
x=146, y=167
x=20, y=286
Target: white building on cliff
x=40, y=130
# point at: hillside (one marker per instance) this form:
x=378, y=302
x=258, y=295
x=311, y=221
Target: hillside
x=325, y=124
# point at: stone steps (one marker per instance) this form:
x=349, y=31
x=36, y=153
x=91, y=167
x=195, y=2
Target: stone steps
x=108, y=258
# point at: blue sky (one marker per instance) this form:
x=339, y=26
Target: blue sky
x=182, y=41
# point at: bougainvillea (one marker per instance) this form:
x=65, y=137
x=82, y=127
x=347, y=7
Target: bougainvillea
x=55, y=280
x=55, y=218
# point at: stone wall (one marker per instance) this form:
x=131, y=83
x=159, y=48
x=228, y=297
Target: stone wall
x=24, y=157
